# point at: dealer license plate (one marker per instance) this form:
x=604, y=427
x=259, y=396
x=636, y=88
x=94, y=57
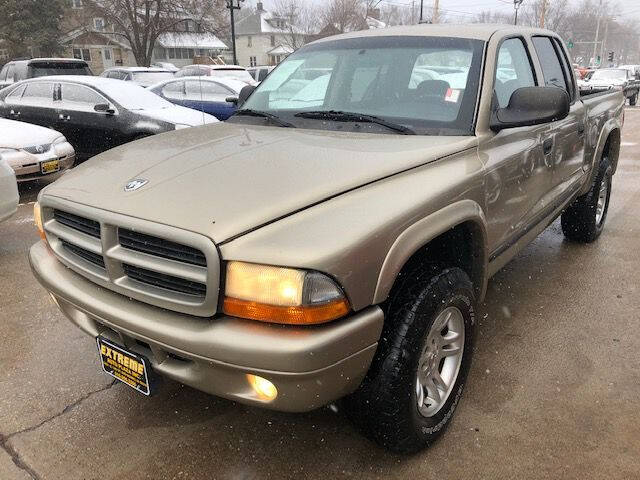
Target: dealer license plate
x=50, y=166
x=123, y=365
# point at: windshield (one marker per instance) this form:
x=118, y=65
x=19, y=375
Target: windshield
x=242, y=75
x=429, y=84
x=609, y=75
x=149, y=78
x=43, y=70
x=132, y=96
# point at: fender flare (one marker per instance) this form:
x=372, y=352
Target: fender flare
x=610, y=126
x=426, y=229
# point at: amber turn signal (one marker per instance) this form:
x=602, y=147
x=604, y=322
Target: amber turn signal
x=37, y=219
x=297, y=315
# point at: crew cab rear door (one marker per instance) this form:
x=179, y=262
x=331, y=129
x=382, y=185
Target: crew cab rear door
x=564, y=139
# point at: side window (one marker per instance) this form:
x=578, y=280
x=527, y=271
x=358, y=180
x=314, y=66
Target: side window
x=551, y=68
x=15, y=95
x=173, y=90
x=11, y=72
x=38, y=93
x=513, y=70
x=262, y=74
x=566, y=67
x=80, y=97
x=3, y=73
x=207, y=91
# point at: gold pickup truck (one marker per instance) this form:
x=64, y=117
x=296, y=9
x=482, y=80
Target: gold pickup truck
x=332, y=240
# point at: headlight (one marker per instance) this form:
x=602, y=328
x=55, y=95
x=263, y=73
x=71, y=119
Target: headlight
x=180, y=126
x=282, y=295
x=37, y=219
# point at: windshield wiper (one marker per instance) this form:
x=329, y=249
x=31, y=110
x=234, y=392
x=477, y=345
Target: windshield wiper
x=340, y=116
x=258, y=113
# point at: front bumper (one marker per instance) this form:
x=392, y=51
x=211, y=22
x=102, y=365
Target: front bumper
x=27, y=166
x=310, y=366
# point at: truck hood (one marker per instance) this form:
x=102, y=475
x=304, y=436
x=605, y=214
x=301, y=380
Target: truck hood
x=226, y=179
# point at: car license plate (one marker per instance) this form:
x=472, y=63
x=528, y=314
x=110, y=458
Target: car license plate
x=123, y=365
x=50, y=166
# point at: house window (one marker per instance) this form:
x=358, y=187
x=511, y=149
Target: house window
x=82, y=54
x=249, y=41
x=273, y=40
x=76, y=3
x=253, y=61
x=107, y=54
x=98, y=24
x=172, y=53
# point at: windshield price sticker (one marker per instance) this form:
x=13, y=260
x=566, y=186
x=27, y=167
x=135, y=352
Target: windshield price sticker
x=125, y=366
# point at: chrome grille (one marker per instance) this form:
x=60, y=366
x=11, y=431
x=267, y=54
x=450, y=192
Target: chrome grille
x=153, y=263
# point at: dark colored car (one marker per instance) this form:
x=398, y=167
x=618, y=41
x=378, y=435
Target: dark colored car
x=143, y=76
x=95, y=113
x=41, y=67
x=206, y=94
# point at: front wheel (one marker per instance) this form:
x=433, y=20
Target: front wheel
x=584, y=220
x=417, y=377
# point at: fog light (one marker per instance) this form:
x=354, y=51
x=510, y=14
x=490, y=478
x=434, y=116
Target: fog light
x=263, y=387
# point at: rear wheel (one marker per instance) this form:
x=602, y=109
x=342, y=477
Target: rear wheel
x=584, y=220
x=415, y=382
x=633, y=100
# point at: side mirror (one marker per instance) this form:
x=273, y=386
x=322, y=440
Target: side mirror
x=233, y=100
x=531, y=106
x=245, y=93
x=104, y=108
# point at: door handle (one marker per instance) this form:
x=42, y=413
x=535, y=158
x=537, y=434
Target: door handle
x=547, y=146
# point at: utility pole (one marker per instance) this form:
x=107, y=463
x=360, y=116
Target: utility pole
x=233, y=5
x=595, y=44
x=516, y=6
x=603, y=45
x=436, y=14
x=543, y=13
x=421, y=10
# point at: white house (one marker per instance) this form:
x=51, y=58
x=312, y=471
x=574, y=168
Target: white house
x=263, y=38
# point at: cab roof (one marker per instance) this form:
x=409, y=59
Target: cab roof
x=473, y=31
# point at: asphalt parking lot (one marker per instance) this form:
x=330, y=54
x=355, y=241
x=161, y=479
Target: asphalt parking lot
x=554, y=391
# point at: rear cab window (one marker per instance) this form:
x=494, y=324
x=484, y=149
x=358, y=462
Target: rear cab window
x=43, y=69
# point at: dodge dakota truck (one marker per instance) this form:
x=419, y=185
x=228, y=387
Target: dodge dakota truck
x=333, y=239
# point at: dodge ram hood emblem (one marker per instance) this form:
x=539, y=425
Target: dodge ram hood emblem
x=135, y=184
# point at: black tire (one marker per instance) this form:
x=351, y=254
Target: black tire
x=633, y=100
x=579, y=221
x=385, y=407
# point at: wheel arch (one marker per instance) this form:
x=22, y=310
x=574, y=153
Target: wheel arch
x=455, y=235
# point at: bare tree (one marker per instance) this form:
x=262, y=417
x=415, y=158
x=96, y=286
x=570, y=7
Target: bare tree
x=141, y=22
x=344, y=15
x=300, y=21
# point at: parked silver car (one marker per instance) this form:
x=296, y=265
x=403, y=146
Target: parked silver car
x=8, y=191
x=33, y=151
x=143, y=76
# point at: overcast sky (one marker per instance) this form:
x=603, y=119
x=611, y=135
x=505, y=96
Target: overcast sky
x=468, y=9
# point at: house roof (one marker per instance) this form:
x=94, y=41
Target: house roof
x=190, y=40
x=280, y=50
x=262, y=21
x=109, y=38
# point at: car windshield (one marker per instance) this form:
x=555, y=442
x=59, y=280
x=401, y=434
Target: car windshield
x=43, y=70
x=149, y=78
x=239, y=74
x=428, y=84
x=132, y=96
x=616, y=74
